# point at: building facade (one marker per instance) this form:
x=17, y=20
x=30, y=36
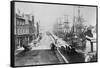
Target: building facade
x=24, y=29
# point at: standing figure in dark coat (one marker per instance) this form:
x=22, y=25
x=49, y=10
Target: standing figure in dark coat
x=89, y=37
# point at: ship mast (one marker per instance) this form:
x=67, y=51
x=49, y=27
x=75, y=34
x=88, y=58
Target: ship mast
x=66, y=23
x=73, y=27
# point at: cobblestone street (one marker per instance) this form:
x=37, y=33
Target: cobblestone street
x=36, y=57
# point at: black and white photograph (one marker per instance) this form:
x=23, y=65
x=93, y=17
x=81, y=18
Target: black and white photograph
x=52, y=34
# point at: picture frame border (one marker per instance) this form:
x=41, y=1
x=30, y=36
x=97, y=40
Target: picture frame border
x=12, y=37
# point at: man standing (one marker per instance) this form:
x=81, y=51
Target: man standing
x=89, y=37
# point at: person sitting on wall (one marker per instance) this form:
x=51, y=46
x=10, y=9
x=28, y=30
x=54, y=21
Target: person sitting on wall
x=90, y=55
x=89, y=36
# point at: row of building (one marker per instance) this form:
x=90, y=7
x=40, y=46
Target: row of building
x=25, y=29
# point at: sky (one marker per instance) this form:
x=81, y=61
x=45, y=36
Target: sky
x=48, y=14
